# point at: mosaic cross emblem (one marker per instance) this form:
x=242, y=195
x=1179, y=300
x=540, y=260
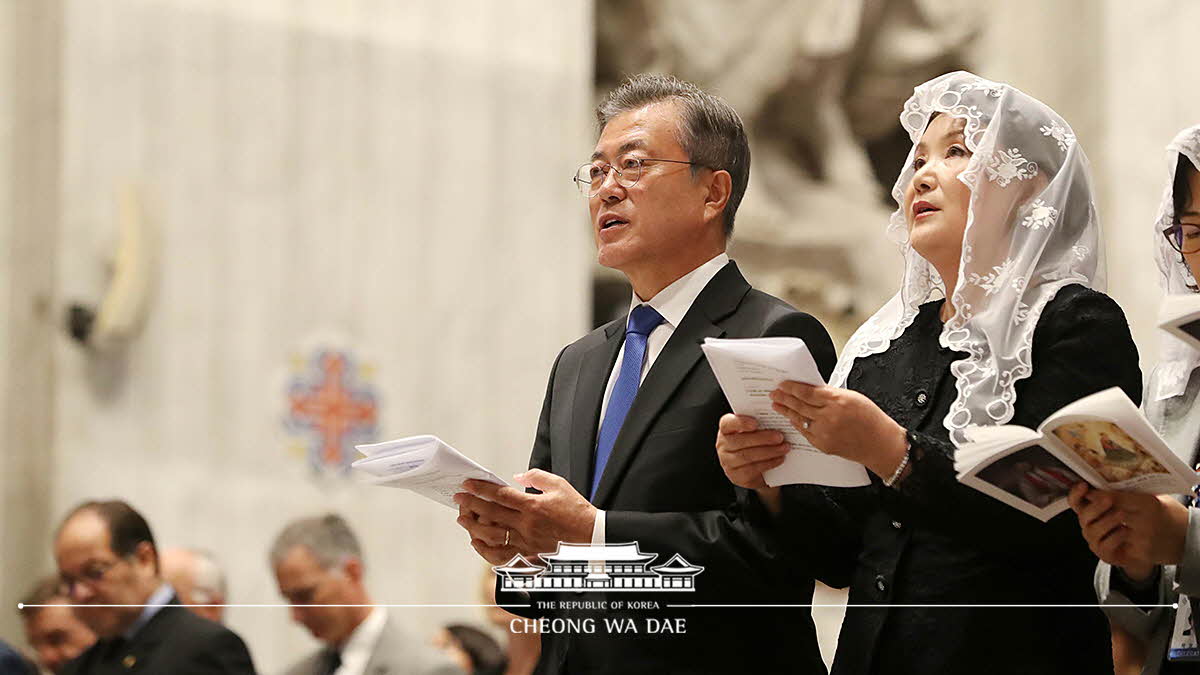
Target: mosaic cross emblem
x=330, y=406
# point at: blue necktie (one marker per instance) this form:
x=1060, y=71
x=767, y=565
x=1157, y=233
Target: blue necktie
x=642, y=321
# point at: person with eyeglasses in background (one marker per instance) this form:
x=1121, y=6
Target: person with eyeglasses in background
x=623, y=447
x=1149, y=545
x=53, y=631
x=108, y=566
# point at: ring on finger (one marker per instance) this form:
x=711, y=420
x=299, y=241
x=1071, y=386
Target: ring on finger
x=507, y=534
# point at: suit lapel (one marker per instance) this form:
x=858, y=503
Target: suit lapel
x=682, y=352
x=594, y=370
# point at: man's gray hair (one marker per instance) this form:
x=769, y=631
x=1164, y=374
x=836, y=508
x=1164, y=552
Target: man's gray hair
x=328, y=537
x=210, y=580
x=710, y=130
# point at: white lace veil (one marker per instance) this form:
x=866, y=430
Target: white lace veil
x=1031, y=229
x=1176, y=359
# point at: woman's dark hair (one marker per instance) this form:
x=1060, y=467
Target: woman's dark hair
x=1181, y=192
x=1181, y=196
x=486, y=656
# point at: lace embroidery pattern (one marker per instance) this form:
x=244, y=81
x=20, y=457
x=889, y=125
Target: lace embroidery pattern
x=1060, y=134
x=1004, y=166
x=994, y=280
x=1041, y=215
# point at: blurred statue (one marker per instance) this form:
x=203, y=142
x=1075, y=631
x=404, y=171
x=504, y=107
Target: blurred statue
x=819, y=85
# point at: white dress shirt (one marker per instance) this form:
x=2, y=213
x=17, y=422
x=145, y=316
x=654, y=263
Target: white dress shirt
x=357, y=651
x=672, y=302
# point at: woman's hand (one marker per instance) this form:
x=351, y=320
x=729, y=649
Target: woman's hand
x=746, y=453
x=1135, y=532
x=845, y=423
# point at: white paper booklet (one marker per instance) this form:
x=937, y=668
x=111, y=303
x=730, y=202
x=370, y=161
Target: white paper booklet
x=1179, y=315
x=748, y=370
x=1102, y=439
x=427, y=465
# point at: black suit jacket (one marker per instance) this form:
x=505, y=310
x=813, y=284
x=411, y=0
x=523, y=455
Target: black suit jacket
x=174, y=641
x=664, y=488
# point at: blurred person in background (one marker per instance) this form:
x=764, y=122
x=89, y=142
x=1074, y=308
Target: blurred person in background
x=12, y=662
x=197, y=578
x=51, y=627
x=472, y=649
x=521, y=648
x=108, y=566
x=318, y=561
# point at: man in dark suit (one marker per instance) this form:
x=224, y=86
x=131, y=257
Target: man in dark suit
x=109, y=567
x=624, y=449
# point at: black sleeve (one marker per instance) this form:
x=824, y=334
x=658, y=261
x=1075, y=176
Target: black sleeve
x=1144, y=594
x=1081, y=346
x=740, y=543
x=816, y=338
x=220, y=653
x=819, y=528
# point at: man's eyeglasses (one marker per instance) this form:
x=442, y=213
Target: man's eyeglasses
x=1183, y=237
x=591, y=176
x=92, y=574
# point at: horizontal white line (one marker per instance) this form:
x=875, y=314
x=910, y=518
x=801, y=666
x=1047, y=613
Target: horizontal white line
x=21, y=605
x=881, y=606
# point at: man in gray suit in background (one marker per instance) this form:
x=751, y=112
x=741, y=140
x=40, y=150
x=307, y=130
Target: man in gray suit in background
x=317, y=561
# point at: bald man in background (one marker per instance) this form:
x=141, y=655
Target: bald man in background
x=197, y=580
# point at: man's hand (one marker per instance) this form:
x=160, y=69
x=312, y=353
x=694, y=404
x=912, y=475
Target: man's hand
x=504, y=521
x=1135, y=532
x=746, y=453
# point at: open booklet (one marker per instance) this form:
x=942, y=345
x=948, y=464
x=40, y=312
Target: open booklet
x=1102, y=439
x=748, y=370
x=1179, y=315
x=427, y=465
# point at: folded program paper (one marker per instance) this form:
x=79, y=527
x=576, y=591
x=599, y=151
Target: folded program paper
x=748, y=370
x=426, y=465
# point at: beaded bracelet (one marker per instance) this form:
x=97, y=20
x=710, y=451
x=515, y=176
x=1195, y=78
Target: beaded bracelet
x=903, y=465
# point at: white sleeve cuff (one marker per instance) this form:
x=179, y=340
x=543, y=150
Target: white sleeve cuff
x=598, y=529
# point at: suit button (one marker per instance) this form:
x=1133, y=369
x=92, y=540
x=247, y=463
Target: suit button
x=880, y=583
x=922, y=399
x=896, y=524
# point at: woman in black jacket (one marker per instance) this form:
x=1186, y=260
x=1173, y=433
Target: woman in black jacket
x=996, y=214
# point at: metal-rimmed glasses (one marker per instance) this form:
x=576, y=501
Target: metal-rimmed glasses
x=1183, y=237
x=589, y=177
x=92, y=575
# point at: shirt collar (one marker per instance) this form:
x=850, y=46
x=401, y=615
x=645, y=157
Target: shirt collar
x=362, y=640
x=158, y=599
x=674, y=301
